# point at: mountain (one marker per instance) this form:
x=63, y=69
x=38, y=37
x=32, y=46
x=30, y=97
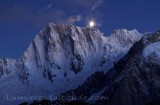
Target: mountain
x=134, y=80
x=59, y=59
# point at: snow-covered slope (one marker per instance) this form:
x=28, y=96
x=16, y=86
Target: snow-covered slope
x=152, y=53
x=60, y=58
x=134, y=80
x=136, y=77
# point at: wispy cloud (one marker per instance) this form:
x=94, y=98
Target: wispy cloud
x=91, y=4
x=49, y=6
x=96, y=4
x=42, y=15
x=73, y=19
x=22, y=14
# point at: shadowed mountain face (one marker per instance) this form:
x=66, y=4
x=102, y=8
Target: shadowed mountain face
x=134, y=80
x=60, y=58
x=138, y=77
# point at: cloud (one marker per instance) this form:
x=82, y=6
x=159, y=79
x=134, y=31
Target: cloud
x=73, y=19
x=91, y=4
x=42, y=15
x=49, y=6
x=97, y=4
x=42, y=18
x=22, y=14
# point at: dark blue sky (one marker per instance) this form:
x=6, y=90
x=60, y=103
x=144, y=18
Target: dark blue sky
x=21, y=20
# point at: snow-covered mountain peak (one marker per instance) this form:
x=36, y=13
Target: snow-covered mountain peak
x=72, y=48
x=66, y=49
x=63, y=56
x=122, y=33
x=70, y=27
x=124, y=37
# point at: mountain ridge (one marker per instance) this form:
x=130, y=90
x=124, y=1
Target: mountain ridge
x=63, y=56
x=134, y=79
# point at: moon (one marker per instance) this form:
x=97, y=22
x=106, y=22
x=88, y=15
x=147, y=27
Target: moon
x=91, y=23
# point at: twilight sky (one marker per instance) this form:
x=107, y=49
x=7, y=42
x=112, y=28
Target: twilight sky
x=21, y=20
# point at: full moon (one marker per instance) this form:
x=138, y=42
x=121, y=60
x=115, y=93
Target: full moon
x=91, y=23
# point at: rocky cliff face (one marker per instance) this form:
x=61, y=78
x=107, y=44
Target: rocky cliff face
x=134, y=80
x=62, y=57
x=138, y=79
